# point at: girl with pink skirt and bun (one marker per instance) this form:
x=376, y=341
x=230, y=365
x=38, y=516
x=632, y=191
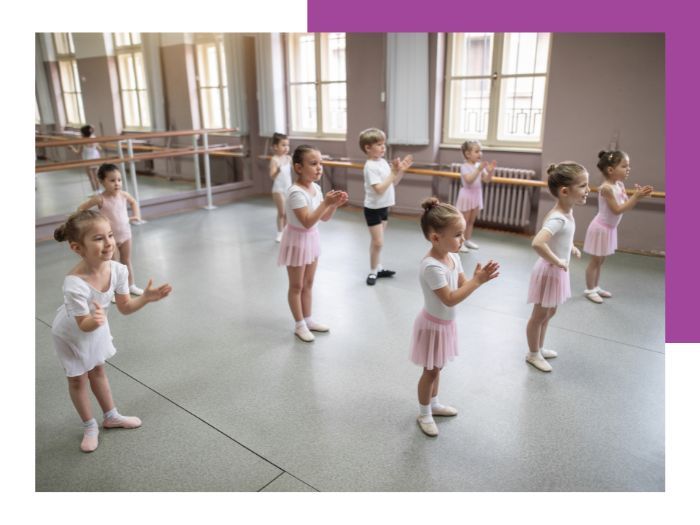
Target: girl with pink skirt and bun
x=550, y=284
x=434, y=339
x=601, y=236
x=471, y=199
x=300, y=246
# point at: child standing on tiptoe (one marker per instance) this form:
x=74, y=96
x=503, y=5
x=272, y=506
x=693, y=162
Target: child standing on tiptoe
x=601, y=236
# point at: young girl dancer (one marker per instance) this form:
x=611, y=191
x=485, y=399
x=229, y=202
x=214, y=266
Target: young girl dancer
x=112, y=203
x=601, y=236
x=80, y=331
x=471, y=199
x=89, y=152
x=300, y=246
x=444, y=285
x=550, y=284
x=280, y=173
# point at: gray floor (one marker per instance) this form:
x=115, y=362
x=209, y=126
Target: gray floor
x=232, y=401
x=63, y=191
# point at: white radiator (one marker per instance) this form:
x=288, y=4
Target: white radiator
x=505, y=205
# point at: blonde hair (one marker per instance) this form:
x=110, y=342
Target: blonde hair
x=371, y=136
x=563, y=175
x=437, y=215
x=468, y=145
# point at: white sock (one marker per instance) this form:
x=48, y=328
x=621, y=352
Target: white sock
x=425, y=411
x=113, y=414
x=534, y=354
x=380, y=267
x=300, y=324
x=374, y=270
x=90, y=427
x=434, y=403
x=309, y=322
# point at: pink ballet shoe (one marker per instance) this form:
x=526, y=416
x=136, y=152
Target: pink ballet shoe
x=89, y=442
x=121, y=422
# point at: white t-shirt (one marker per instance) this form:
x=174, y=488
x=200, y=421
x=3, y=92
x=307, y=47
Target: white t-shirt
x=562, y=228
x=376, y=172
x=297, y=197
x=435, y=275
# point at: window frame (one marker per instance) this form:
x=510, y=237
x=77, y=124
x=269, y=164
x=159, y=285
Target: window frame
x=497, y=78
x=63, y=57
x=318, y=84
x=133, y=48
x=207, y=39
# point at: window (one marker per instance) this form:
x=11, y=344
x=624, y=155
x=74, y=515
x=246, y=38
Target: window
x=37, y=115
x=212, y=82
x=495, y=88
x=317, y=84
x=133, y=90
x=74, y=114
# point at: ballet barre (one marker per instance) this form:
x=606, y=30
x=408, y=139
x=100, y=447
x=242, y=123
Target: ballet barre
x=155, y=152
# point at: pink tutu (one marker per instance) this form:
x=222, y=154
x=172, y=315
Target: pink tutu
x=434, y=341
x=601, y=238
x=470, y=198
x=549, y=285
x=299, y=246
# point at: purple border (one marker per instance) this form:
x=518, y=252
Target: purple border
x=672, y=17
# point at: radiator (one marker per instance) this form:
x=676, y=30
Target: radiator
x=506, y=206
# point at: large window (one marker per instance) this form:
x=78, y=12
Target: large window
x=74, y=114
x=133, y=90
x=317, y=84
x=212, y=82
x=495, y=88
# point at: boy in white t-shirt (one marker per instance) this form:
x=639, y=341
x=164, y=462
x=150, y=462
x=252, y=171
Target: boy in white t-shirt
x=380, y=179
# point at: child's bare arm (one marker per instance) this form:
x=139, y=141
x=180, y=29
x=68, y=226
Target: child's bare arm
x=93, y=201
x=466, y=288
x=128, y=305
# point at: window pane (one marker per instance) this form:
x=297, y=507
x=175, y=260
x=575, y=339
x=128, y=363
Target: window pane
x=81, y=110
x=207, y=65
x=303, y=107
x=145, y=109
x=302, y=58
x=62, y=43
x=471, y=54
x=470, y=108
x=334, y=104
x=65, y=69
x=227, y=112
x=126, y=71
x=121, y=39
x=333, y=56
x=222, y=65
x=76, y=78
x=521, y=102
x=211, y=108
x=525, y=53
x=130, y=109
x=140, y=71
x=136, y=39
x=37, y=115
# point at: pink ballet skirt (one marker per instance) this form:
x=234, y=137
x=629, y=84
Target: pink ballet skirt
x=601, y=238
x=299, y=246
x=549, y=285
x=434, y=341
x=470, y=198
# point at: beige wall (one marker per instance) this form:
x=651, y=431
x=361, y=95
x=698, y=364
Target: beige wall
x=607, y=90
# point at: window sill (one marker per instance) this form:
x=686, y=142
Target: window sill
x=508, y=149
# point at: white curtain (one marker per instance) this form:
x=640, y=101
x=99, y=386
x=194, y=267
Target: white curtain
x=407, y=88
x=270, y=76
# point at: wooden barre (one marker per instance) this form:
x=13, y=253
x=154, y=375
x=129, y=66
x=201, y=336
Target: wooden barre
x=454, y=175
x=136, y=136
x=139, y=157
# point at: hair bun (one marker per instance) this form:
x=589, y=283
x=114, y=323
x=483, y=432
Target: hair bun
x=60, y=233
x=551, y=168
x=429, y=203
x=601, y=153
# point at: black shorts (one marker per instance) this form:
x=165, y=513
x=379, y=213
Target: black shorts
x=376, y=216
